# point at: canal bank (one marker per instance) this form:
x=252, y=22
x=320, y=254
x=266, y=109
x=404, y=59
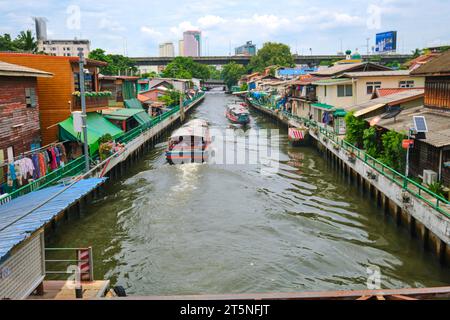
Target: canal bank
x=199, y=229
x=410, y=205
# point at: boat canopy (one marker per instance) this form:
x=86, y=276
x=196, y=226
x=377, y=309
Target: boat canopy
x=198, y=132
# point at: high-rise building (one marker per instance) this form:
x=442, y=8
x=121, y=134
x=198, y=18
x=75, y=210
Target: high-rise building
x=41, y=28
x=65, y=48
x=192, y=43
x=248, y=49
x=166, y=49
x=181, y=48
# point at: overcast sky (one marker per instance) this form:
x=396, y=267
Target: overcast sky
x=137, y=27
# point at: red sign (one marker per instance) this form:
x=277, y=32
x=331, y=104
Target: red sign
x=406, y=144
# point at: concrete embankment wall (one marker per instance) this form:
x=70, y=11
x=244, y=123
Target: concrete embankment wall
x=425, y=223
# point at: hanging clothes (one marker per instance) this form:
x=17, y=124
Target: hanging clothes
x=37, y=171
x=53, y=163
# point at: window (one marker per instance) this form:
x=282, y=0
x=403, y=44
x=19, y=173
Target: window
x=372, y=87
x=30, y=97
x=407, y=84
x=345, y=90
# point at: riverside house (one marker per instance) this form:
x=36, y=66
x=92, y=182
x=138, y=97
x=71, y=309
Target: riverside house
x=339, y=94
x=57, y=98
x=19, y=112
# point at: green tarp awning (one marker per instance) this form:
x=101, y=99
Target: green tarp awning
x=340, y=113
x=97, y=126
x=123, y=114
x=133, y=104
x=322, y=106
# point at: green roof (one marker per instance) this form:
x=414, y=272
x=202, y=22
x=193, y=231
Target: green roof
x=133, y=104
x=97, y=126
x=340, y=113
x=123, y=114
x=322, y=106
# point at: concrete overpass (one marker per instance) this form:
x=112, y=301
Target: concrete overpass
x=305, y=59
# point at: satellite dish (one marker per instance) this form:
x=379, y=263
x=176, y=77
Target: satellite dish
x=392, y=112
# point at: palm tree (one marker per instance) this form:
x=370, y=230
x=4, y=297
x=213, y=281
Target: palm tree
x=416, y=53
x=26, y=42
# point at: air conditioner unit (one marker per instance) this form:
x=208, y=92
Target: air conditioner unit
x=429, y=177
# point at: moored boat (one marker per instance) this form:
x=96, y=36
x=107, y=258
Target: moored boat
x=189, y=144
x=238, y=114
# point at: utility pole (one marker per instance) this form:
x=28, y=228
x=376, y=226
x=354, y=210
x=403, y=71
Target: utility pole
x=83, y=111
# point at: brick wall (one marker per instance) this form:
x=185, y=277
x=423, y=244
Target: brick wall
x=13, y=112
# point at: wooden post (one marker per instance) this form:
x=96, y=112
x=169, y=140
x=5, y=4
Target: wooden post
x=181, y=108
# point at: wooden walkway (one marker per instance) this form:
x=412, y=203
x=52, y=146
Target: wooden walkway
x=63, y=290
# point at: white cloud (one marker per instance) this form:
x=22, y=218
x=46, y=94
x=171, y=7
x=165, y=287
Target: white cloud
x=210, y=21
x=111, y=25
x=182, y=27
x=152, y=33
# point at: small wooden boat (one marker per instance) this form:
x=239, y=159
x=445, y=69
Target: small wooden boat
x=190, y=143
x=238, y=114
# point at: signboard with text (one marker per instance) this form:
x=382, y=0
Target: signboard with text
x=386, y=42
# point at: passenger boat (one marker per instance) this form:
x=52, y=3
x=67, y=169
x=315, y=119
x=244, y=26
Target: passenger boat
x=190, y=143
x=238, y=114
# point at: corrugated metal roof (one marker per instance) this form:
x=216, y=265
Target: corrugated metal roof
x=14, y=70
x=341, y=68
x=437, y=66
x=387, y=73
x=12, y=233
x=389, y=100
x=438, y=124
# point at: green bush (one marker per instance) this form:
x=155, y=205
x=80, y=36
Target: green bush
x=371, y=142
x=355, y=130
x=393, y=154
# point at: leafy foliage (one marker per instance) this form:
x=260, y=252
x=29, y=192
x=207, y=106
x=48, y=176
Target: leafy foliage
x=355, y=130
x=244, y=87
x=271, y=54
x=117, y=64
x=23, y=42
x=231, y=73
x=171, y=97
x=437, y=188
x=149, y=75
x=214, y=73
x=186, y=68
x=371, y=142
x=393, y=153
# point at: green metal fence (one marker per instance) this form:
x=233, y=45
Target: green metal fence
x=436, y=201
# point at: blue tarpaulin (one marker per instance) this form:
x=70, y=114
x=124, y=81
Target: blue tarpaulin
x=12, y=235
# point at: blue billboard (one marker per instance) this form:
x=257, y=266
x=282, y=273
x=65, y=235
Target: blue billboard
x=386, y=42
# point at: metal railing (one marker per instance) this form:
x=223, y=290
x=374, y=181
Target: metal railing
x=66, y=266
x=419, y=191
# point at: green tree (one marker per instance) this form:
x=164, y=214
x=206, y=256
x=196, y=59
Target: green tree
x=416, y=53
x=214, y=73
x=186, y=68
x=6, y=43
x=26, y=42
x=23, y=42
x=355, y=130
x=271, y=54
x=393, y=153
x=371, y=142
x=117, y=64
x=231, y=73
x=149, y=75
x=171, y=97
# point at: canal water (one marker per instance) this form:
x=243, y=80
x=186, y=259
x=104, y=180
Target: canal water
x=200, y=229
